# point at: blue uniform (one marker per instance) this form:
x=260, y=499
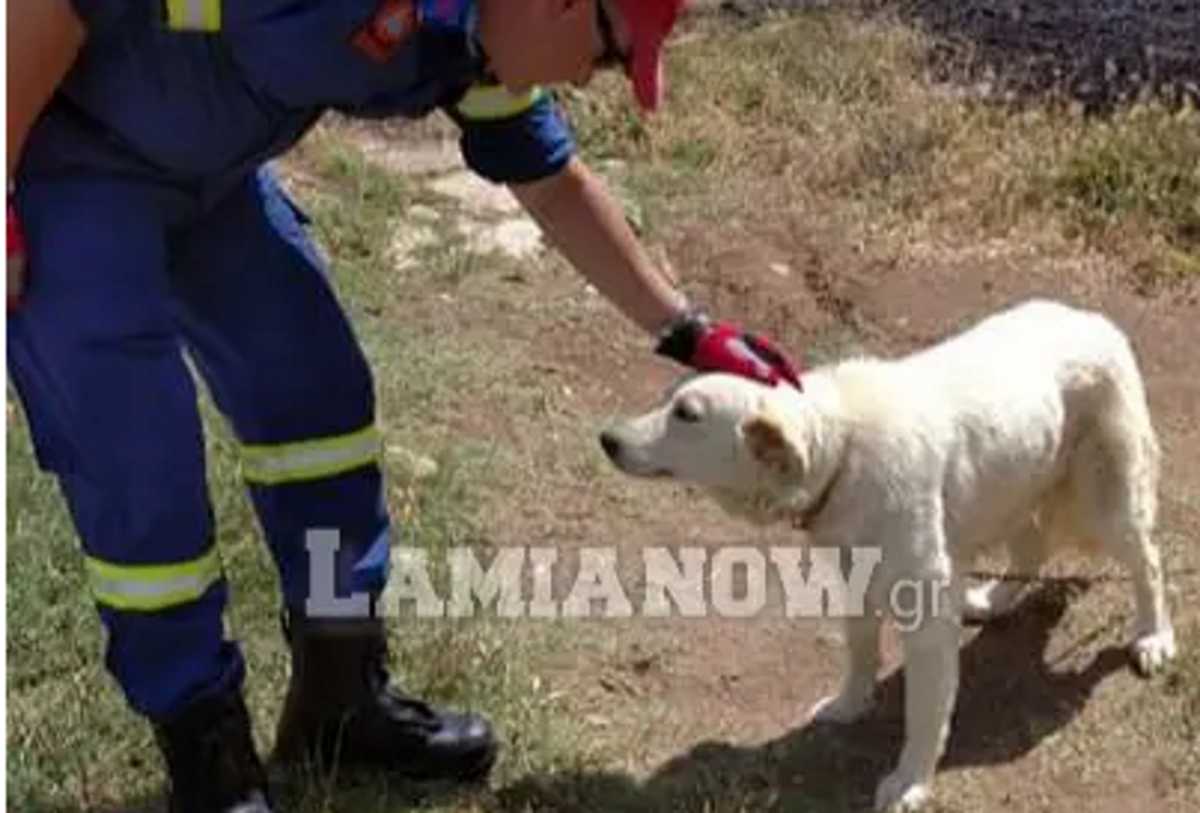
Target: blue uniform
x=153, y=228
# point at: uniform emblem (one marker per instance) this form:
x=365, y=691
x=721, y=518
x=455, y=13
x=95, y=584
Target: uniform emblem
x=392, y=24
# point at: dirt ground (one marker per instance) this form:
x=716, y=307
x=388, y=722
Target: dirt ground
x=711, y=714
x=741, y=688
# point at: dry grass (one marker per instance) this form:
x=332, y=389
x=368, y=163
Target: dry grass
x=827, y=113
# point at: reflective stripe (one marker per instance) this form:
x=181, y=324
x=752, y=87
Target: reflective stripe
x=152, y=587
x=310, y=460
x=490, y=102
x=194, y=15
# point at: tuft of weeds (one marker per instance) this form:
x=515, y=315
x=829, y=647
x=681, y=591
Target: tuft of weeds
x=1144, y=165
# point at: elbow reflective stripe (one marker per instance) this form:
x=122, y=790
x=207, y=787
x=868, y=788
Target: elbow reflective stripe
x=194, y=15
x=310, y=460
x=152, y=587
x=492, y=102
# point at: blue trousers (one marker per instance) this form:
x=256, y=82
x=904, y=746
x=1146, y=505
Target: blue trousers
x=125, y=276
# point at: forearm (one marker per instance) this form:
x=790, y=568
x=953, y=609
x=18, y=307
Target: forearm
x=588, y=226
x=44, y=37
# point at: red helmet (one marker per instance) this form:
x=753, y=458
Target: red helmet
x=648, y=23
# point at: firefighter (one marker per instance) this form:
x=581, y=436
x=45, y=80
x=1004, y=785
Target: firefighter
x=143, y=223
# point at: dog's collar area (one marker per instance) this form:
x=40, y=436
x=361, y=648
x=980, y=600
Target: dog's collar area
x=803, y=519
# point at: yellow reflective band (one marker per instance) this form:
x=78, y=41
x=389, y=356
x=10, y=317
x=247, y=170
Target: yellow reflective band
x=310, y=460
x=152, y=587
x=194, y=15
x=492, y=102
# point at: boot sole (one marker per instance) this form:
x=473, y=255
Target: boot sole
x=473, y=774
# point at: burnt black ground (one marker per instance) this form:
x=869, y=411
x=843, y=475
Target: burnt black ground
x=1099, y=53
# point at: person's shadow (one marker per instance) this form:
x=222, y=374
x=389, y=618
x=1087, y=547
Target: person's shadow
x=1009, y=700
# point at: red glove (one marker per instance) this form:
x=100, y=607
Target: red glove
x=709, y=346
x=16, y=259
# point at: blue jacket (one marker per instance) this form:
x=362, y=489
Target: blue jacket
x=200, y=92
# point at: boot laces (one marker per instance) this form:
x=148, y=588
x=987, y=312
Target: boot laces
x=400, y=705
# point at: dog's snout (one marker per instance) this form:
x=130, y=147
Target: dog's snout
x=612, y=446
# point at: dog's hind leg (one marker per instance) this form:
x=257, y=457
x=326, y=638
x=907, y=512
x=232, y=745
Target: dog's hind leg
x=1115, y=473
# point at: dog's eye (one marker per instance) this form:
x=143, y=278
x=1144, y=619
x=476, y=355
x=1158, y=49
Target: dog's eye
x=686, y=411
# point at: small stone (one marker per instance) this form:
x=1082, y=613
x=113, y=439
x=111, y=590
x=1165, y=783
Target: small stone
x=407, y=240
x=475, y=194
x=519, y=237
x=416, y=159
x=831, y=638
x=411, y=465
x=421, y=213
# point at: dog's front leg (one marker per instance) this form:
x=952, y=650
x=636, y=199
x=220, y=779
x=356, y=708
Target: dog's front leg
x=857, y=694
x=930, y=685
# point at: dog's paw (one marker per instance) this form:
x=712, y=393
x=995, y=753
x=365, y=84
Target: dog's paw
x=901, y=793
x=977, y=603
x=1151, y=652
x=842, y=708
x=989, y=601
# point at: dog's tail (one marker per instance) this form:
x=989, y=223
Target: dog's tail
x=1114, y=453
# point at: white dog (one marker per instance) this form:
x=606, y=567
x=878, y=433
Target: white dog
x=1029, y=430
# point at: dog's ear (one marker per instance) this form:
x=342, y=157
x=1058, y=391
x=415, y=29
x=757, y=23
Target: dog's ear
x=767, y=441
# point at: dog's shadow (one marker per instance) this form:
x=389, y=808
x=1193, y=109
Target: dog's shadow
x=1009, y=700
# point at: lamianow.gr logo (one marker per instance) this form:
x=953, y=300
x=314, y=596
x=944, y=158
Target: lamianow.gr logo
x=688, y=582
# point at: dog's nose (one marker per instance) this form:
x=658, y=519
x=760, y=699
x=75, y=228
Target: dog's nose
x=612, y=446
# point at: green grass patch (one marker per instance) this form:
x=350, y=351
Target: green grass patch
x=1144, y=164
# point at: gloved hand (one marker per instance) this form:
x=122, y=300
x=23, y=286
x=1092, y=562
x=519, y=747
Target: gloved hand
x=16, y=259
x=700, y=343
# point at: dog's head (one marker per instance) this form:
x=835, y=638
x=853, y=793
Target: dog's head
x=744, y=442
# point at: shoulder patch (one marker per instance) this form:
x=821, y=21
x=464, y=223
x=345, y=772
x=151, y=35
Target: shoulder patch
x=392, y=24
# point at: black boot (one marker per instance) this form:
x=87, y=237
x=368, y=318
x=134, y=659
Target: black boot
x=211, y=758
x=340, y=710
